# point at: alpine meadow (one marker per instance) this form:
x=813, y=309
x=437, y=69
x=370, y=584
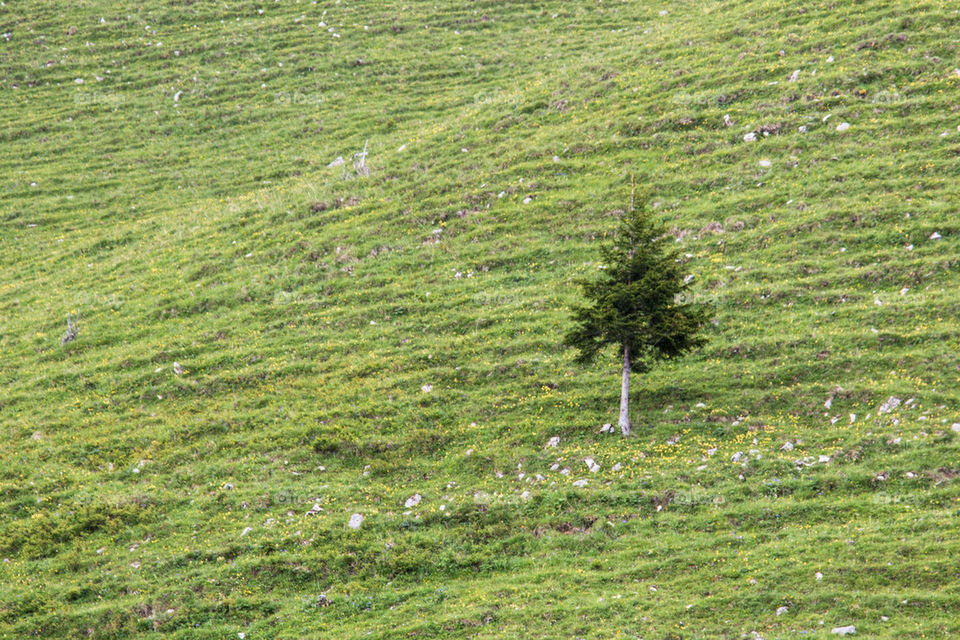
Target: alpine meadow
x=284, y=287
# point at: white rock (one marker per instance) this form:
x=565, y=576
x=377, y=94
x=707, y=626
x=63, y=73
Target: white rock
x=787, y=446
x=750, y=137
x=177, y=368
x=607, y=428
x=737, y=457
x=355, y=521
x=593, y=466
x=830, y=59
x=565, y=471
x=782, y=610
x=616, y=467
x=315, y=510
x=818, y=575
x=794, y=76
x=525, y=495
x=554, y=441
x=823, y=459
x=527, y=200
x=336, y=163
x=427, y=388
x=955, y=427
x=935, y=236
x=176, y=96
x=843, y=126
x=765, y=163
x=580, y=483
x=888, y=406
x=849, y=630
x=413, y=500
x=246, y=531
x=727, y=121
x=802, y=128
x=556, y=158
x=401, y=147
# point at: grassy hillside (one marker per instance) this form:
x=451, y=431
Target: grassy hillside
x=349, y=338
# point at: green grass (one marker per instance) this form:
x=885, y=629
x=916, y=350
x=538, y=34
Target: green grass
x=180, y=199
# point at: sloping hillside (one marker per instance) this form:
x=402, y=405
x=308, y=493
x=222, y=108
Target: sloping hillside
x=272, y=340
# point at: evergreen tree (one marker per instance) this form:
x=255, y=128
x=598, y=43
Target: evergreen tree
x=637, y=304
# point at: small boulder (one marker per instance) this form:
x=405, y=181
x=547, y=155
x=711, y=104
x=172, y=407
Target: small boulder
x=848, y=630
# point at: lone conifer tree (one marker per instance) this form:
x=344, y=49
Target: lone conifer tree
x=637, y=304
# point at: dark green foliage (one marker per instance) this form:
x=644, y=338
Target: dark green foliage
x=638, y=302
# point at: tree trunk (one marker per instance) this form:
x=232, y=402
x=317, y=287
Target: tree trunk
x=625, y=393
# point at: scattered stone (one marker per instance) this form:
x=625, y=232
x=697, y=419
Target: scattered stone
x=849, y=630
x=554, y=441
x=794, y=76
x=580, y=483
x=616, y=467
x=177, y=369
x=593, y=466
x=228, y=486
x=737, y=457
x=843, y=126
x=787, y=446
x=355, y=521
x=246, y=531
x=427, y=388
x=750, y=137
x=607, y=428
x=955, y=427
x=823, y=459
x=765, y=163
x=782, y=610
x=727, y=121
x=413, y=500
x=323, y=600
x=818, y=575
x=339, y=161
x=935, y=236
x=315, y=510
x=888, y=406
